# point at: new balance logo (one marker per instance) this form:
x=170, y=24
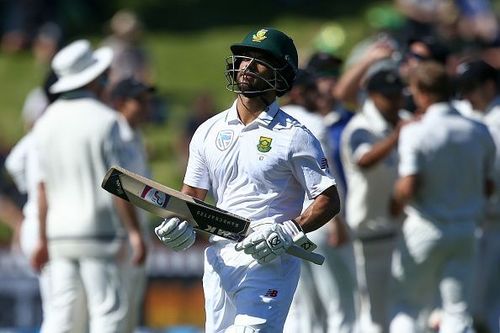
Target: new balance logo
x=275, y=241
x=271, y=293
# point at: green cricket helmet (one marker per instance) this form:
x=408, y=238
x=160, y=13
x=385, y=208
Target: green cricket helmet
x=278, y=53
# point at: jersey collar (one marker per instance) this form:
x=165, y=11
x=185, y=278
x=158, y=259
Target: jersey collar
x=264, y=118
x=268, y=115
x=441, y=108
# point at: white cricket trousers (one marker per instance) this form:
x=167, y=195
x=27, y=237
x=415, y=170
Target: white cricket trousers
x=430, y=258
x=106, y=299
x=28, y=241
x=326, y=299
x=241, y=292
x=135, y=283
x=373, y=267
x=487, y=279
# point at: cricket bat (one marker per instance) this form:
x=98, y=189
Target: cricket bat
x=165, y=202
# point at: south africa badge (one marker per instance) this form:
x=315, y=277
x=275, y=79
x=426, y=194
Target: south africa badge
x=224, y=139
x=264, y=144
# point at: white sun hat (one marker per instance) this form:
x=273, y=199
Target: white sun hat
x=77, y=65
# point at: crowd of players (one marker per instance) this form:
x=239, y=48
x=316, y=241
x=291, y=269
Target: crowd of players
x=419, y=238
x=415, y=247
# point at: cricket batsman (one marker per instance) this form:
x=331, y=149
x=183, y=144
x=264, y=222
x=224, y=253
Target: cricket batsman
x=260, y=163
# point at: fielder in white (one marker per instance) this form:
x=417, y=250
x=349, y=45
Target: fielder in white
x=258, y=162
x=446, y=172
x=81, y=234
x=479, y=84
x=325, y=297
x=131, y=99
x=370, y=160
x=22, y=165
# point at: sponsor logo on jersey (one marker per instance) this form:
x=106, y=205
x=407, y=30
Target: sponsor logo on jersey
x=264, y=144
x=224, y=139
x=271, y=293
x=259, y=36
x=155, y=197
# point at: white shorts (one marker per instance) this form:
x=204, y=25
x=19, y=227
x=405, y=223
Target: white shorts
x=240, y=291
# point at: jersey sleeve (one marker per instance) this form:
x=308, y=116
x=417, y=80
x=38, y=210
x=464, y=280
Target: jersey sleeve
x=410, y=162
x=39, y=157
x=15, y=164
x=309, y=165
x=115, y=150
x=360, y=142
x=197, y=174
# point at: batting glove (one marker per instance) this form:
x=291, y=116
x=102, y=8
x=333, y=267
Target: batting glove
x=176, y=234
x=270, y=241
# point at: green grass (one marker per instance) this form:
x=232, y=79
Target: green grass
x=184, y=64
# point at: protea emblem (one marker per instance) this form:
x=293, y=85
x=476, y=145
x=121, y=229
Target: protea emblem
x=264, y=144
x=259, y=36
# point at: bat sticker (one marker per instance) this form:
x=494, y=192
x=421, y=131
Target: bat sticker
x=155, y=197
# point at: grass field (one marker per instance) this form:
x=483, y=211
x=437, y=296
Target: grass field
x=184, y=65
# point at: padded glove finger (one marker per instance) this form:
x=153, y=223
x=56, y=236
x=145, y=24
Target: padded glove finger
x=167, y=226
x=188, y=242
x=179, y=236
x=248, y=244
x=175, y=234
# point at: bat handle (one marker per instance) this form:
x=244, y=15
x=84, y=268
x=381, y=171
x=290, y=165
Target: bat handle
x=299, y=252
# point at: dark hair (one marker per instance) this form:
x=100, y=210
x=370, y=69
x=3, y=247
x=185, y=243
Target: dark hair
x=49, y=80
x=438, y=50
x=470, y=75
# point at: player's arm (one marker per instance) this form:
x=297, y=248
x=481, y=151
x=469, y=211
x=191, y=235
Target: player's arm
x=404, y=190
x=323, y=208
x=410, y=164
x=347, y=88
x=115, y=154
x=379, y=150
x=195, y=192
x=129, y=218
x=308, y=165
x=41, y=254
x=271, y=240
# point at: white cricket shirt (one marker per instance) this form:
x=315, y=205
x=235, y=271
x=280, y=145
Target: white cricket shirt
x=453, y=157
x=260, y=171
x=22, y=165
x=369, y=189
x=78, y=139
x=313, y=121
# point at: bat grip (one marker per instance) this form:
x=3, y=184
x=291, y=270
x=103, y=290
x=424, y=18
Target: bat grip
x=299, y=252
